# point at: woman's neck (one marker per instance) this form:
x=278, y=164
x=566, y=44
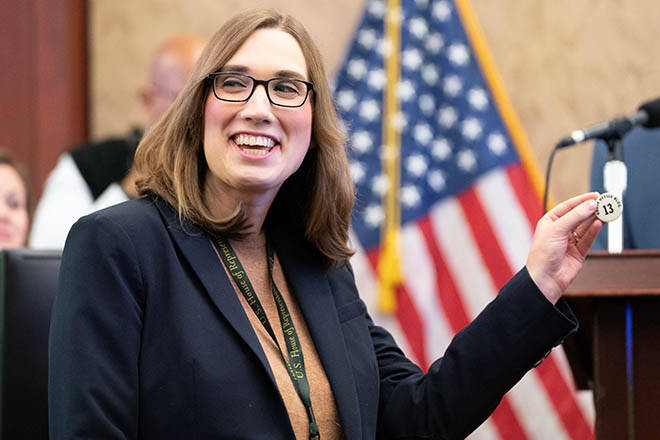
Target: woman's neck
x=252, y=242
x=223, y=201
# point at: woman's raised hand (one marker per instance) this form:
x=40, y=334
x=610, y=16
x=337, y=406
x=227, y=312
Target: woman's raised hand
x=560, y=243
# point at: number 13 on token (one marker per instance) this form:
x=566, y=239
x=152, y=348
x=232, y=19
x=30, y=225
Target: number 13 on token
x=609, y=207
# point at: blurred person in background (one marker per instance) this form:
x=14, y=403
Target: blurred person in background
x=14, y=198
x=98, y=174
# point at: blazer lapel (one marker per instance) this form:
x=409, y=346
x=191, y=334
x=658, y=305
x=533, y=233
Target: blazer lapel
x=304, y=272
x=197, y=249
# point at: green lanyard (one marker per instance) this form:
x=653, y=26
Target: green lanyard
x=295, y=363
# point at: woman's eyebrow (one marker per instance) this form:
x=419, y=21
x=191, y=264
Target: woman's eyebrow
x=289, y=74
x=235, y=68
x=278, y=74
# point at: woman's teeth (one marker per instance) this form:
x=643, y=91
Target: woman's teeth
x=255, y=152
x=254, y=141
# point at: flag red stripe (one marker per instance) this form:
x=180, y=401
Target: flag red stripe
x=412, y=326
x=477, y=219
x=452, y=303
x=563, y=401
x=504, y=418
x=408, y=315
x=525, y=194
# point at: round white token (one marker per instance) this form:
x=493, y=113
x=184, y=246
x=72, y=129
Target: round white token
x=608, y=207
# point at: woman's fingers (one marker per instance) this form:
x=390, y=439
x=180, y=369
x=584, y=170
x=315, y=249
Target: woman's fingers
x=561, y=209
x=560, y=242
x=587, y=233
x=571, y=220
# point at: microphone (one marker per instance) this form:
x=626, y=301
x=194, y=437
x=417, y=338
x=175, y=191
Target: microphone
x=647, y=115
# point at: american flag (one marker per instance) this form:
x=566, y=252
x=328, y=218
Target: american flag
x=468, y=203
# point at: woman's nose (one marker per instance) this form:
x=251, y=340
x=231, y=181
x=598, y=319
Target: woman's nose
x=258, y=108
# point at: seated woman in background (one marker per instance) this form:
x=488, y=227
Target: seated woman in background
x=13, y=204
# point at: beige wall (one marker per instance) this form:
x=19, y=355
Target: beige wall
x=564, y=63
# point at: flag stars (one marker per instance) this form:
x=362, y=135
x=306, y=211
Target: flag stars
x=497, y=144
x=369, y=110
x=434, y=43
x=377, y=79
x=410, y=196
x=380, y=184
x=448, y=136
x=346, y=100
x=367, y=38
x=427, y=104
x=458, y=54
x=357, y=68
x=377, y=9
x=384, y=47
x=447, y=116
x=437, y=180
x=405, y=90
x=412, y=59
x=441, y=149
x=430, y=74
x=441, y=10
x=358, y=172
x=478, y=98
x=374, y=215
x=416, y=165
x=361, y=141
x=423, y=134
x=418, y=27
x=452, y=85
x=466, y=160
x=471, y=128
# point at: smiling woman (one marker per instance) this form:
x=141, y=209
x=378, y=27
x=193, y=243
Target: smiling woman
x=13, y=204
x=222, y=304
x=204, y=124
x=236, y=171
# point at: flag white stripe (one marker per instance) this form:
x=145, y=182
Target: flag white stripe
x=585, y=399
x=419, y=277
x=506, y=216
x=462, y=256
x=534, y=409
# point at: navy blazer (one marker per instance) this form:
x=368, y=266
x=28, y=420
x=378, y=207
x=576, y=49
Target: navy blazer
x=149, y=340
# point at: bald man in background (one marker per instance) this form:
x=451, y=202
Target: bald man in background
x=98, y=174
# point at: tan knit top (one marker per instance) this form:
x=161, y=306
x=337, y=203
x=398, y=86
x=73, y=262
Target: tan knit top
x=252, y=255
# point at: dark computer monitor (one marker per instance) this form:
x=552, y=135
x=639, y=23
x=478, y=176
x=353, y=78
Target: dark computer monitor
x=28, y=281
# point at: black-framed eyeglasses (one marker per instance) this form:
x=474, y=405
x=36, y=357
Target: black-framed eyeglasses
x=238, y=87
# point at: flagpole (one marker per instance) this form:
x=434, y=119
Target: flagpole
x=389, y=266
